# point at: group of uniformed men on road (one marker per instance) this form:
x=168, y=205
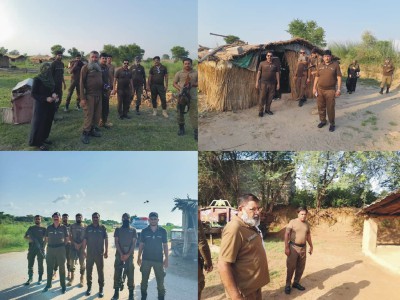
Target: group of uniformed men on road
x=69, y=243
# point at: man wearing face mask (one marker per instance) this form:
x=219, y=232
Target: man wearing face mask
x=242, y=261
x=125, y=241
x=77, y=231
x=296, y=236
x=35, y=235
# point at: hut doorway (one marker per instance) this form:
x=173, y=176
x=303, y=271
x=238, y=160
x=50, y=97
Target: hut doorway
x=285, y=71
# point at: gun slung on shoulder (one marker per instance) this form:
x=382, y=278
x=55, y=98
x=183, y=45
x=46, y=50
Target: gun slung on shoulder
x=37, y=245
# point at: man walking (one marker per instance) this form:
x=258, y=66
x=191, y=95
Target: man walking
x=74, y=68
x=56, y=239
x=125, y=242
x=204, y=256
x=123, y=86
x=139, y=82
x=327, y=83
x=296, y=235
x=153, y=243
x=77, y=232
x=186, y=82
x=158, y=85
x=268, y=77
x=387, y=75
x=242, y=262
x=91, y=84
x=35, y=235
x=96, y=240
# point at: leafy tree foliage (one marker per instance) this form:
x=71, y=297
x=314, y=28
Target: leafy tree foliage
x=3, y=50
x=14, y=52
x=231, y=39
x=307, y=30
x=56, y=48
x=165, y=57
x=179, y=53
x=73, y=52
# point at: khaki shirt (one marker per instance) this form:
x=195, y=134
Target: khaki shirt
x=125, y=237
x=242, y=246
x=268, y=71
x=387, y=69
x=301, y=69
x=91, y=83
x=77, y=232
x=298, y=231
x=95, y=236
x=181, y=77
x=56, y=235
x=328, y=74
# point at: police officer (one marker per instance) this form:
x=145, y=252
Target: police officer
x=204, y=254
x=56, y=239
x=96, y=240
x=77, y=231
x=57, y=71
x=301, y=77
x=139, y=82
x=74, y=68
x=387, y=75
x=125, y=242
x=123, y=87
x=153, y=243
x=67, y=245
x=105, y=99
x=35, y=235
x=187, y=77
x=158, y=85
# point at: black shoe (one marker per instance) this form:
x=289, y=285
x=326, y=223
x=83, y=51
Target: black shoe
x=95, y=132
x=130, y=295
x=28, y=281
x=268, y=112
x=332, y=128
x=85, y=137
x=89, y=291
x=121, y=117
x=350, y=92
x=298, y=286
x=39, y=279
x=387, y=91
x=63, y=290
x=116, y=295
x=101, y=292
x=321, y=124
x=46, y=288
x=161, y=297
x=181, y=130
x=287, y=289
x=260, y=114
x=381, y=91
x=138, y=112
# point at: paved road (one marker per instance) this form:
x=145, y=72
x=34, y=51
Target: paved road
x=13, y=273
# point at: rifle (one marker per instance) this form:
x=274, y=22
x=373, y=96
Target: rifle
x=123, y=274
x=184, y=97
x=37, y=245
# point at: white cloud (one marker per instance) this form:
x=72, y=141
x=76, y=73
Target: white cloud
x=81, y=194
x=63, y=198
x=63, y=179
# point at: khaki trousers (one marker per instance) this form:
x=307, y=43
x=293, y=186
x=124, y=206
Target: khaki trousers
x=300, y=87
x=91, y=112
x=267, y=93
x=386, y=80
x=296, y=261
x=326, y=105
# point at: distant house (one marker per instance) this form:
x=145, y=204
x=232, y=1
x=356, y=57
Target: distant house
x=17, y=58
x=4, y=61
x=38, y=59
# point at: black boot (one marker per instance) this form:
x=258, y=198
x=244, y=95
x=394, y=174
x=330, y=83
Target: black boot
x=196, y=134
x=137, y=110
x=28, y=282
x=387, y=90
x=381, y=92
x=161, y=297
x=116, y=294
x=181, y=130
x=89, y=290
x=144, y=296
x=40, y=279
x=85, y=137
x=101, y=292
x=130, y=294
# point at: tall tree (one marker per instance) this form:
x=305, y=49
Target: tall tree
x=179, y=53
x=56, y=48
x=231, y=39
x=307, y=30
x=14, y=52
x=111, y=49
x=3, y=50
x=129, y=51
x=165, y=57
x=73, y=52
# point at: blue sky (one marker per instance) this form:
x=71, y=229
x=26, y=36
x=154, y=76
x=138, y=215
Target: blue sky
x=262, y=21
x=32, y=27
x=110, y=183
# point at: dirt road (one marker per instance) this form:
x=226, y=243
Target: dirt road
x=365, y=120
x=180, y=281
x=336, y=270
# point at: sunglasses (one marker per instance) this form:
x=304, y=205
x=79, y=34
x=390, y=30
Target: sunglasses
x=126, y=63
x=302, y=52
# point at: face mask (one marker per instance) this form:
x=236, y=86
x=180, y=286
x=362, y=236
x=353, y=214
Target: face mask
x=79, y=221
x=125, y=223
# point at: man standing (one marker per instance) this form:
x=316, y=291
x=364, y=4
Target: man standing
x=158, y=85
x=313, y=64
x=353, y=72
x=57, y=71
x=91, y=84
x=105, y=102
x=139, y=82
x=111, y=69
x=328, y=81
x=123, y=86
x=96, y=240
x=77, y=231
x=74, y=68
x=125, y=242
x=387, y=75
x=67, y=245
x=242, y=261
x=269, y=75
x=301, y=77
x=153, y=243
x=204, y=256
x=56, y=239
x=186, y=82
x=35, y=235
x=296, y=235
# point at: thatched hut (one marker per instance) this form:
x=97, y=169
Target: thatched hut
x=38, y=59
x=228, y=73
x=4, y=61
x=17, y=58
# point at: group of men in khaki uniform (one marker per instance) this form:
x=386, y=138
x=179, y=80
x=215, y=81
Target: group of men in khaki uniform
x=70, y=243
x=242, y=261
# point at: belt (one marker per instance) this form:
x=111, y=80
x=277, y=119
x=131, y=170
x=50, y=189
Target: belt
x=55, y=245
x=298, y=245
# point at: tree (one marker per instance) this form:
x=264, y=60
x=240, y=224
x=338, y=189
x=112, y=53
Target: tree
x=130, y=51
x=230, y=39
x=54, y=49
x=111, y=49
x=165, y=57
x=179, y=53
x=73, y=52
x=307, y=30
x=14, y=52
x=368, y=39
x=3, y=50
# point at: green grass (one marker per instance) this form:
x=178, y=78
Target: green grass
x=392, y=123
x=371, y=120
x=12, y=237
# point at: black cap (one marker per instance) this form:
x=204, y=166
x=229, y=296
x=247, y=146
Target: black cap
x=153, y=214
x=328, y=52
x=65, y=215
x=126, y=215
x=314, y=50
x=55, y=214
x=137, y=58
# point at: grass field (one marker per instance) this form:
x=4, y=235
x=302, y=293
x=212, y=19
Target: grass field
x=144, y=132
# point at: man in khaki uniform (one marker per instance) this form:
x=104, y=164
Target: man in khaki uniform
x=91, y=85
x=296, y=235
x=74, y=69
x=123, y=86
x=328, y=81
x=35, y=235
x=301, y=77
x=67, y=245
x=387, y=75
x=96, y=240
x=77, y=232
x=187, y=78
x=268, y=77
x=157, y=83
x=204, y=257
x=125, y=242
x=242, y=261
x=139, y=82
x=56, y=239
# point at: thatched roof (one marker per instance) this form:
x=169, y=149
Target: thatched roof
x=387, y=206
x=16, y=57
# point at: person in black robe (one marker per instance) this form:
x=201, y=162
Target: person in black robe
x=43, y=109
x=353, y=73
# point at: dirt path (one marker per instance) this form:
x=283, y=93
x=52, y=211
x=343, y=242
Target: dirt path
x=13, y=272
x=336, y=270
x=365, y=120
